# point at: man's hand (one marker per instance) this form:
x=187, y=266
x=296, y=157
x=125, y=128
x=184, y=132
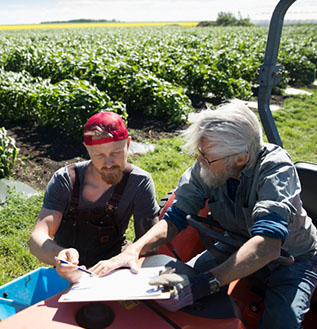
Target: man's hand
x=172, y=281
x=128, y=258
x=160, y=233
x=69, y=272
x=181, y=294
x=186, y=289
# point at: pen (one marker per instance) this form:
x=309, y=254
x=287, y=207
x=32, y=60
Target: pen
x=78, y=267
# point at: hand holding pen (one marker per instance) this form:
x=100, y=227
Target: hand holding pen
x=62, y=261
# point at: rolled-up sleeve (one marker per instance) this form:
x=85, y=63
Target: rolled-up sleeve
x=273, y=226
x=177, y=217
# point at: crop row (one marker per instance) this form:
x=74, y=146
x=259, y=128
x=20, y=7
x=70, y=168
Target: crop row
x=154, y=71
x=64, y=105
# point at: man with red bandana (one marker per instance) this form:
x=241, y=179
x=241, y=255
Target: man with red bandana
x=87, y=206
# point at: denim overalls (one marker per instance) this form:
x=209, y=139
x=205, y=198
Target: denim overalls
x=94, y=232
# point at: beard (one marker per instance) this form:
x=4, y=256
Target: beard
x=213, y=180
x=110, y=176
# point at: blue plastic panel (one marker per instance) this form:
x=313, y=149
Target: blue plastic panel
x=29, y=289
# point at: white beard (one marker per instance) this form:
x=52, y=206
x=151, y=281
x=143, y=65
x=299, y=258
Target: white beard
x=213, y=180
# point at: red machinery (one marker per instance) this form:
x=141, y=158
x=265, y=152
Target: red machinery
x=241, y=308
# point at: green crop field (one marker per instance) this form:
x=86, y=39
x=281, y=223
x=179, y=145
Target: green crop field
x=61, y=77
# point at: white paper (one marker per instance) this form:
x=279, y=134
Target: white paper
x=121, y=284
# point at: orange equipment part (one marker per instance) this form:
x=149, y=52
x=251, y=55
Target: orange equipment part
x=187, y=243
x=132, y=314
x=52, y=314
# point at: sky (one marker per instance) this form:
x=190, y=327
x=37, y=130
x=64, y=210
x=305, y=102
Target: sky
x=37, y=11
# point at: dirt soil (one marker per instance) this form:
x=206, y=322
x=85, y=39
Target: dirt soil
x=43, y=150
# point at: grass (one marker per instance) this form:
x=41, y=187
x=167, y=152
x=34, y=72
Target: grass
x=16, y=222
x=296, y=124
x=166, y=164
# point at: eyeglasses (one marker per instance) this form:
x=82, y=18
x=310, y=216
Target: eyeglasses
x=210, y=162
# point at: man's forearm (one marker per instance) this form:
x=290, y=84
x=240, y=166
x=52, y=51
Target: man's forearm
x=45, y=249
x=162, y=232
x=253, y=255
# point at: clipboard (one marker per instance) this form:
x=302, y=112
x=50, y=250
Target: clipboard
x=120, y=284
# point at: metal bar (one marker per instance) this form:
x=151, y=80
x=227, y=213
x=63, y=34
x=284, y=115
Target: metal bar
x=270, y=73
x=213, y=234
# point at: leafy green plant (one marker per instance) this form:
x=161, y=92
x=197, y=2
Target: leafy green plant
x=150, y=70
x=65, y=105
x=8, y=153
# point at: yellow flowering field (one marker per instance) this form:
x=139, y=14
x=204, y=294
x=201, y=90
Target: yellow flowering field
x=85, y=25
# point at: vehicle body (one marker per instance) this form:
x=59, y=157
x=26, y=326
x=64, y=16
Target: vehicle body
x=29, y=289
x=241, y=308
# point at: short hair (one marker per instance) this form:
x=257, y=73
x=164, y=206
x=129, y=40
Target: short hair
x=230, y=129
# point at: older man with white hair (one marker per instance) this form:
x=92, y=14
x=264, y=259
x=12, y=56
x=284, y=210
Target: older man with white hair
x=253, y=191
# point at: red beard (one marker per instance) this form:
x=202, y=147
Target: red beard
x=111, y=176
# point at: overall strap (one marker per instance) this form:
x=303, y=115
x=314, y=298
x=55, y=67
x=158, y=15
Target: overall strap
x=113, y=203
x=74, y=176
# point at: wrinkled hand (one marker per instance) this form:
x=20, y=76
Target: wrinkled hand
x=69, y=272
x=128, y=258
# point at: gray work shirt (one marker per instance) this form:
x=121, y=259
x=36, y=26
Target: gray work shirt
x=272, y=186
x=138, y=198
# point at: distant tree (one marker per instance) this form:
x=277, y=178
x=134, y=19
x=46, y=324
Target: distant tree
x=226, y=19
x=229, y=19
x=206, y=23
x=243, y=21
x=81, y=20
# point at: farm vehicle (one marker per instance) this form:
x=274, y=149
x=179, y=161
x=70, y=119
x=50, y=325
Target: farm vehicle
x=31, y=301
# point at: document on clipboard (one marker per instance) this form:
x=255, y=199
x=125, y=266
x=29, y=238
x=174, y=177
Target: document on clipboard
x=120, y=284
